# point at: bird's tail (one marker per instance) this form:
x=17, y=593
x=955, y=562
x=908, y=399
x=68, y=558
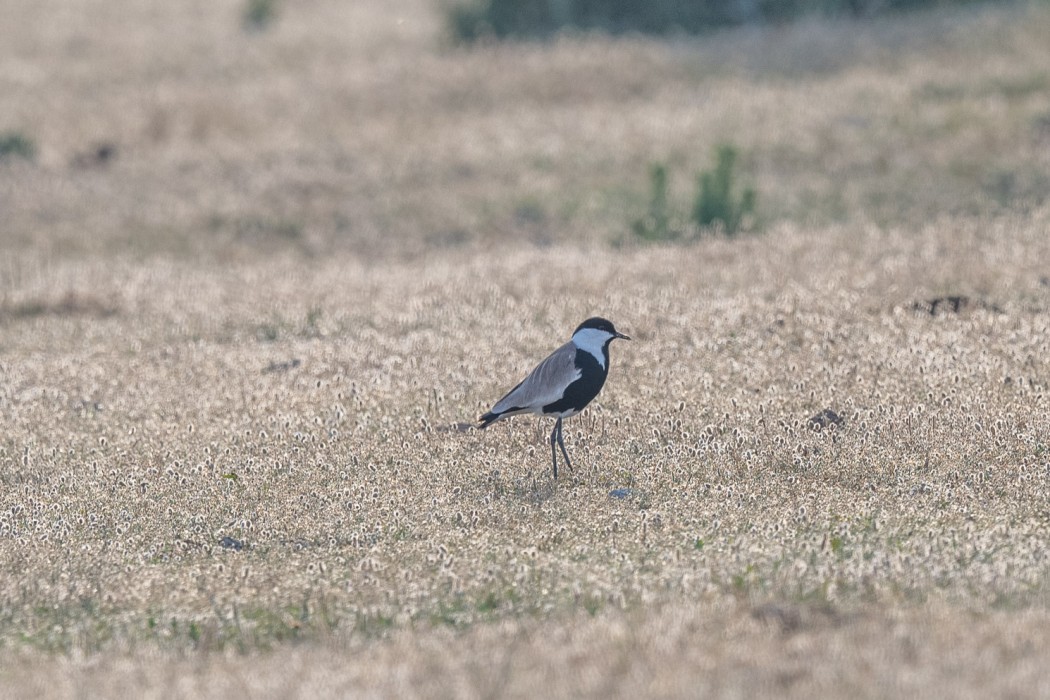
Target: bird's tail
x=488, y=419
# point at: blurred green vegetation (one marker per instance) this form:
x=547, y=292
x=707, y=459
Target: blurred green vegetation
x=716, y=204
x=259, y=14
x=474, y=19
x=14, y=144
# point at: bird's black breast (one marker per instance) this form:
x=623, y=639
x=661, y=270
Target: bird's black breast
x=582, y=391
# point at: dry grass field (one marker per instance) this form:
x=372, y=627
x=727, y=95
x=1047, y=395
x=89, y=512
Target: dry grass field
x=236, y=349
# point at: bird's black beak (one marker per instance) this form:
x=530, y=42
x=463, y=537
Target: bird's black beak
x=622, y=336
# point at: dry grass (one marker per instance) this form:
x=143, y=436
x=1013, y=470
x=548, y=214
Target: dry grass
x=693, y=650
x=232, y=358
x=352, y=127
x=135, y=443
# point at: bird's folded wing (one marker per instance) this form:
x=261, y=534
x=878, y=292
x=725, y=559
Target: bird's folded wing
x=545, y=384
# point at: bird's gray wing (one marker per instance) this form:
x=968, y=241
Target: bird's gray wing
x=545, y=384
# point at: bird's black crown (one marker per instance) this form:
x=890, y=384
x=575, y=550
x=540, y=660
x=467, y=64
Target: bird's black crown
x=597, y=323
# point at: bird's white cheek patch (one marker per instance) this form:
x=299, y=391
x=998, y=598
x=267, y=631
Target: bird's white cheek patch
x=592, y=340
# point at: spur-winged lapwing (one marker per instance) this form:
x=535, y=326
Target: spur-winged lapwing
x=564, y=383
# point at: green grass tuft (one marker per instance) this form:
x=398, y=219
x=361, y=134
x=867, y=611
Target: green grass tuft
x=14, y=144
x=260, y=14
x=716, y=203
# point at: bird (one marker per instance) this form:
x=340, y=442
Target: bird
x=563, y=384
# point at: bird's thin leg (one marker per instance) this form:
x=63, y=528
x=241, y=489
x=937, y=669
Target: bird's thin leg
x=554, y=452
x=561, y=444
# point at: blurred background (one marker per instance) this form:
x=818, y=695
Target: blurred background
x=206, y=130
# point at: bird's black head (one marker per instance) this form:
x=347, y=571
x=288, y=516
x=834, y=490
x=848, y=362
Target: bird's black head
x=600, y=324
